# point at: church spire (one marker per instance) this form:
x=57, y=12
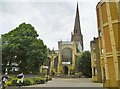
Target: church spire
x=77, y=36
x=77, y=21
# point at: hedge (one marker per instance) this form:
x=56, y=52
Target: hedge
x=39, y=80
x=27, y=81
x=14, y=81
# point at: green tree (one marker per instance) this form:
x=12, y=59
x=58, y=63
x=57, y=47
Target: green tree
x=37, y=54
x=21, y=46
x=84, y=64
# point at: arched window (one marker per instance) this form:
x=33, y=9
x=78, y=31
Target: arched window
x=76, y=31
x=67, y=56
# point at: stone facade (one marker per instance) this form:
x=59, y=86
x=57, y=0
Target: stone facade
x=67, y=57
x=108, y=17
x=95, y=61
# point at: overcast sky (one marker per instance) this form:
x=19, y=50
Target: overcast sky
x=53, y=20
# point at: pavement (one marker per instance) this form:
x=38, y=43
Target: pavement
x=70, y=82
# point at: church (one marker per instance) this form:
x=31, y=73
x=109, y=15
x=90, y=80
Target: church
x=63, y=61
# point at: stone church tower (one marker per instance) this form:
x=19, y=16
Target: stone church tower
x=77, y=36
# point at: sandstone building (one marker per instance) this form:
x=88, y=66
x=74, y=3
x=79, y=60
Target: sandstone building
x=108, y=17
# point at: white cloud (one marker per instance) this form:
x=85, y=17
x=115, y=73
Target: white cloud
x=52, y=20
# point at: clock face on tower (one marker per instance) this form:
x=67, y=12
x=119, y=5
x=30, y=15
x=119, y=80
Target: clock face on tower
x=67, y=56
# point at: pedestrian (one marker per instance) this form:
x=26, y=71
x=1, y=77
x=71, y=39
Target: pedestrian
x=20, y=79
x=4, y=80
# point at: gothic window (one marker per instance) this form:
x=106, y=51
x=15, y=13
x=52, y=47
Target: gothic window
x=56, y=63
x=67, y=55
x=95, y=72
x=76, y=31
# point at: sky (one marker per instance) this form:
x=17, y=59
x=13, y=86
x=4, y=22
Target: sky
x=52, y=19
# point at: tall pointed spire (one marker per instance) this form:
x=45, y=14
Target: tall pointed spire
x=77, y=21
x=77, y=36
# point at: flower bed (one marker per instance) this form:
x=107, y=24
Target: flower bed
x=26, y=81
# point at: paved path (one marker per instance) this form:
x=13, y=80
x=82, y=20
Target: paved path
x=71, y=82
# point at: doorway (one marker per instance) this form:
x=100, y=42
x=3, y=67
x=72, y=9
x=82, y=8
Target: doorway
x=65, y=68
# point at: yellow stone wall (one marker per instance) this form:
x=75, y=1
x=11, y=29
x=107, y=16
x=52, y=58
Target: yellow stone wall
x=71, y=66
x=95, y=60
x=108, y=29
x=52, y=57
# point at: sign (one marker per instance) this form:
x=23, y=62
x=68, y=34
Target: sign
x=64, y=63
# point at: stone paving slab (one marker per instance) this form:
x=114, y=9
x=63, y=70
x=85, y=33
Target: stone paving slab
x=71, y=82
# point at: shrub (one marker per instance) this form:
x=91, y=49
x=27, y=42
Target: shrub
x=10, y=78
x=8, y=83
x=28, y=81
x=14, y=81
x=38, y=80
